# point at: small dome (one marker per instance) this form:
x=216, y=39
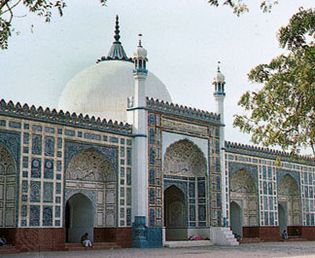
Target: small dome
x=102, y=90
x=219, y=77
x=140, y=52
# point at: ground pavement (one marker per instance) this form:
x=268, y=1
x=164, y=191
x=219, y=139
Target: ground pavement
x=274, y=249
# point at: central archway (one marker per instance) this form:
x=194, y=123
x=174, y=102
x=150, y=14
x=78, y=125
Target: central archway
x=186, y=191
x=175, y=214
x=79, y=218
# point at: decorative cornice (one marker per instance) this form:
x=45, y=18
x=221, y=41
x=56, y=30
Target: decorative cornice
x=267, y=153
x=183, y=111
x=62, y=118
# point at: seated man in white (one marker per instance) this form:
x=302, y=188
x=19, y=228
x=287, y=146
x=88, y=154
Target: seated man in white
x=86, y=242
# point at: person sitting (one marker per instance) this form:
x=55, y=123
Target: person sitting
x=3, y=241
x=86, y=242
x=285, y=234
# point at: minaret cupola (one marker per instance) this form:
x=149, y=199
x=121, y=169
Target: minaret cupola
x=219, y=82
x=140, y=59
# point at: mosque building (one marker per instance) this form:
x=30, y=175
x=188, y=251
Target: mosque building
x=162, y=173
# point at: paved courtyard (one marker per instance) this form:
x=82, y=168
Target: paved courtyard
x=275, y=249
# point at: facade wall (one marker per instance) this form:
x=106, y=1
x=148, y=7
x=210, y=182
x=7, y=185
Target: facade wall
x=281, y=181
x=41, y=152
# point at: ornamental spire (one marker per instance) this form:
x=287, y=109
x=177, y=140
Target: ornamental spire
x=117, y=36
x=116, y=51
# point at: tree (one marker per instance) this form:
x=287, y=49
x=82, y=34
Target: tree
x=282, y=112
x=239, y=6
x=42, y=8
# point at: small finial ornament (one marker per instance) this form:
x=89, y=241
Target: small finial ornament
x=219, y=62
x=140, y=37
x=117, y=31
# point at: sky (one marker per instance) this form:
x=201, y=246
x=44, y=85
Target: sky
x=184, y=38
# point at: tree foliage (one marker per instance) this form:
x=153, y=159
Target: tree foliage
x=241, y=6
x=282, y=112
x=42, y=8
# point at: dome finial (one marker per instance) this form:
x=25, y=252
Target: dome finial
x=140, y=37
x=117, y=36
x=219, y=62
x=116, y=51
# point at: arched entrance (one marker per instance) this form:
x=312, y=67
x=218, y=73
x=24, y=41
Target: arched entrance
x=186, y=195
x=79, y=218
x=91, y=191
x=289, y=204
x=236, y=219
x=244, y=201
x=283, y=220
x=175, y=214
x=7, y=189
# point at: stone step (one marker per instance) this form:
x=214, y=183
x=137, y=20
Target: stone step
x=96, y=246
x=250, y=240
x=188, y=243
x=8, y=249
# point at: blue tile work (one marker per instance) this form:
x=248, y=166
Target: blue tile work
x=145, y=237
x=61, y=118
x=50, y=130
x=35, y=191
x=37, y=144
x=48, y=195
x=92, y=136
x=14, y=124
x=37, y=128
x=282, y=172
x=49, y=146
x=47, y=215
x=72, y=148
x=57, y=211
x=3, y=123
x=49, y=169
x=69, y=132
x=34, y=215
x=251, y=169
x=181, y=111
x=36, y=168
x=26, y=138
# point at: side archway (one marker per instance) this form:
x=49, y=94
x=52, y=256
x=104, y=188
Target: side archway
x=244, y=200
x=236, y=218
x=8, y=189
x=89, y=172
x=289, y=203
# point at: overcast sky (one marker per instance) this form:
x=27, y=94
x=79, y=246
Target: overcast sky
x=184, y=39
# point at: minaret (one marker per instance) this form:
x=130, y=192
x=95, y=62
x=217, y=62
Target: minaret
x=137, y=116
x=219, y=95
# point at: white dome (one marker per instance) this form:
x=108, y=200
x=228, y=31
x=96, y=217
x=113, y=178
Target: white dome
x=219, y=77
x=102, y=90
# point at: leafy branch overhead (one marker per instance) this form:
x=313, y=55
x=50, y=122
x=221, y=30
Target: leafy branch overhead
x=241, y=6
x=282, y=112
x=42, y=8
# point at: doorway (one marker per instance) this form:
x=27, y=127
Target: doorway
x=236, y=219
x=175, y=214
x=79, y=218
